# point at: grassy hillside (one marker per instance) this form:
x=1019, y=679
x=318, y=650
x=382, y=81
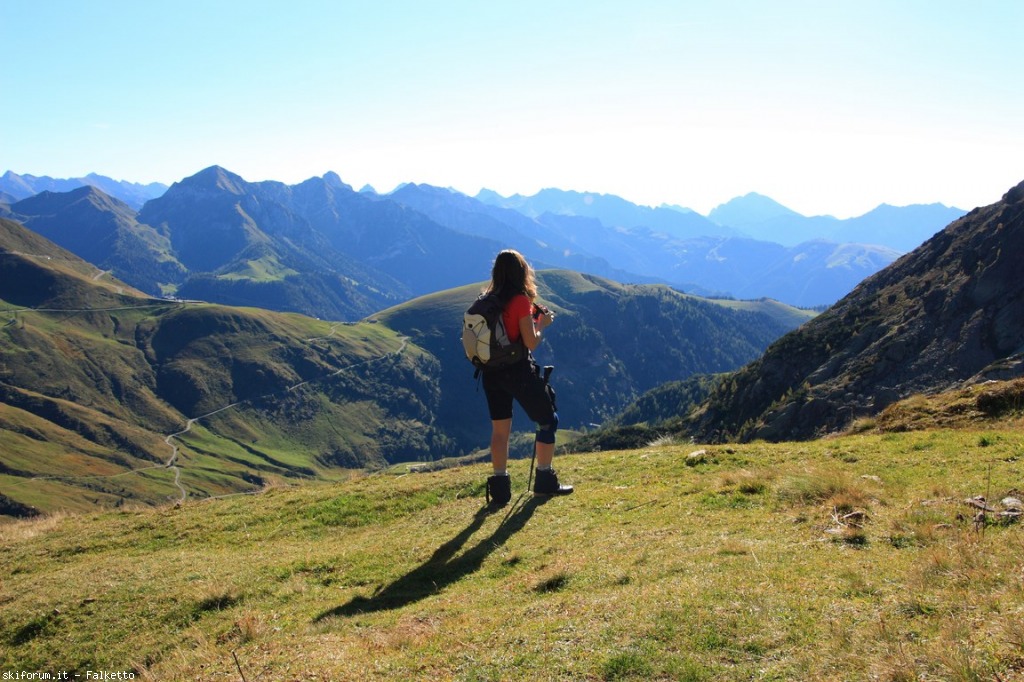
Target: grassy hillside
x=151, y=403
x=107, y=396
x=848, y=558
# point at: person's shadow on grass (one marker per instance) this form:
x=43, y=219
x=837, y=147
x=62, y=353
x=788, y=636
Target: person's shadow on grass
x=443, y=568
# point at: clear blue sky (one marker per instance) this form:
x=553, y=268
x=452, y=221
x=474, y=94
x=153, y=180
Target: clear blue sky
x=827, y=107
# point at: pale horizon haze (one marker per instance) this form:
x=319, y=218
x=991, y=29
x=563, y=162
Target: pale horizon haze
x=829, y=108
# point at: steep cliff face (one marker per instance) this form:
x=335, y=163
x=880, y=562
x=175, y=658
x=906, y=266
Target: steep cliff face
x=950, y=312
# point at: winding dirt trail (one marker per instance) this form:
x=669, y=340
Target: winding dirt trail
x=172, y=461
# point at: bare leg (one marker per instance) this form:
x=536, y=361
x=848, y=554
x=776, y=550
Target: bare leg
x=545, y=453
x=501, y=429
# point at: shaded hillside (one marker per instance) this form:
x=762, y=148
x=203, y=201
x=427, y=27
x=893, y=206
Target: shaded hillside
x=937, y=317
x=237, y=230
x=105, y=232
x=610, y=342
x=404, y=244
x=37, y=272
x=245, y=245
x=96, y=380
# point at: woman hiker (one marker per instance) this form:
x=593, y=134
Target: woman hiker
x=513, y=281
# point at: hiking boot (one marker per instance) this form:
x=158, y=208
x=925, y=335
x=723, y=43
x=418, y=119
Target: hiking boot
x=499, y=491
x=547, y=484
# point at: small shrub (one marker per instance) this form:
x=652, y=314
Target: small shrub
x=218, y=600
x=846, y=501
x=918, y=528
x=862, y=425
x=855, y=537
x=626, y=665
x=732, y=547
x=248, y=628
x=818, y=487
x=745, y=482
x=662, y=441
x=553, y=584
x=961, y=665
x=686, y=670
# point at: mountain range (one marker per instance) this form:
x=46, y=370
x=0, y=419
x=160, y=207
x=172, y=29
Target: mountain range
x=17, y=187
x=107, y=394
x=322, y=249
x=899, y=228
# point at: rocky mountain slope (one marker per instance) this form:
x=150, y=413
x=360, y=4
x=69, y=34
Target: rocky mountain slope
x=950, y=312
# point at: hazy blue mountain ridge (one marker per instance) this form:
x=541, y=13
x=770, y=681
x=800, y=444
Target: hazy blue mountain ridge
x=544, y=243
x=321, y=248
x=611, y=210
x=132, y=193
x=899, y=228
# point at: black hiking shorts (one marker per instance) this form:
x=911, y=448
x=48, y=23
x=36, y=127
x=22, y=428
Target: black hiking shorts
x=520, y=382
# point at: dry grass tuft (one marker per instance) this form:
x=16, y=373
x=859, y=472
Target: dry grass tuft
x=26, y=529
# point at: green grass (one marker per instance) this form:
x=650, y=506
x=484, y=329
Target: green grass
x=735, y=567
x=266, y=269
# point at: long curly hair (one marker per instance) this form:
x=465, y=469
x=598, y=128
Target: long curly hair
x=512, y=275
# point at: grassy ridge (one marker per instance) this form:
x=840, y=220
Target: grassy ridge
x=847, y=558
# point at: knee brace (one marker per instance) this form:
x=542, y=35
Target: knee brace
x=546, y=432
